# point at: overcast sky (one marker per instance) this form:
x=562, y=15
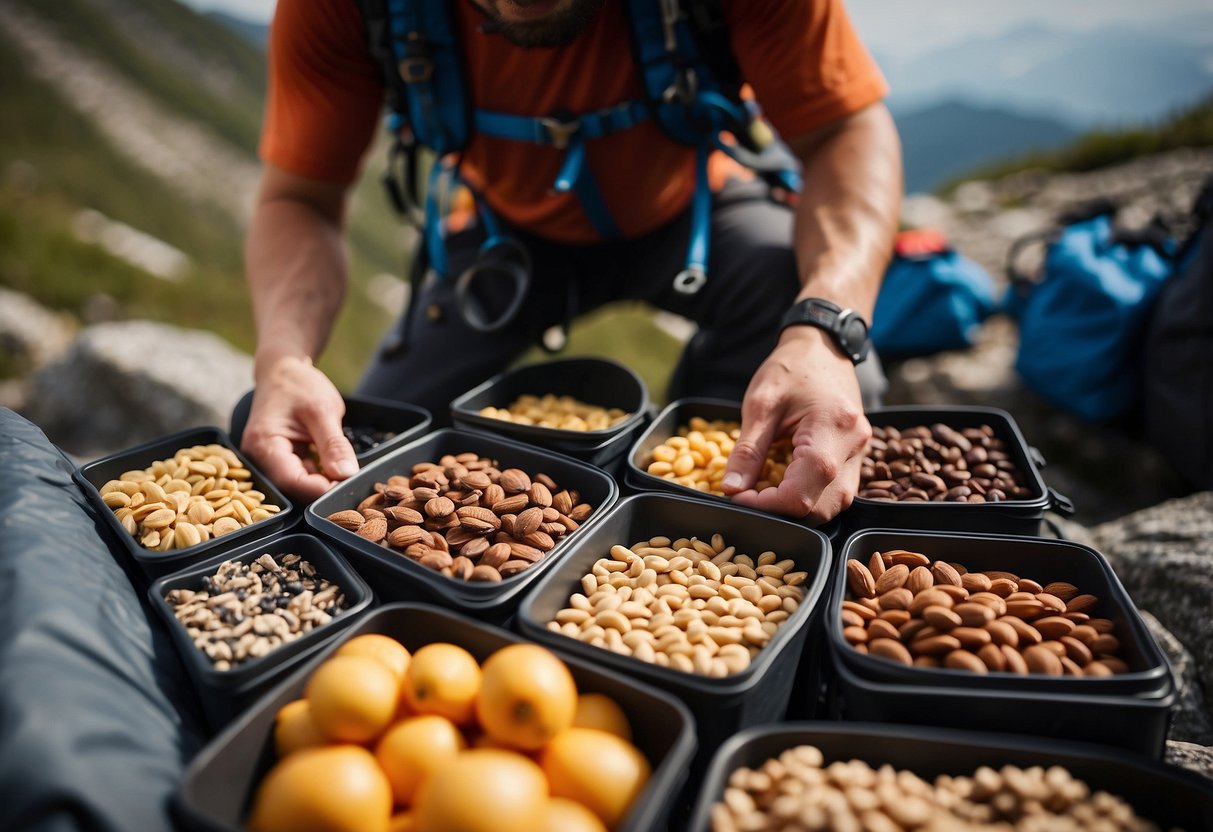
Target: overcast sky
x=905, y=27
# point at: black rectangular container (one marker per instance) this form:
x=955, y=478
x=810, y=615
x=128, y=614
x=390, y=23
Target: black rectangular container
x=1171, y=797
x=666, y=424
x=721, y=705
x=1084, y=708
x=403, y=421
x=224, y=693
x=394, y=577
x=596, y=381
x=219, y=783
x=1136, y=723
x=93, y=475
x=1020, y=516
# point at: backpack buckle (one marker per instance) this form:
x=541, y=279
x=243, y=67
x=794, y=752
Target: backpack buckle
x=560, y=130
x=416, y=67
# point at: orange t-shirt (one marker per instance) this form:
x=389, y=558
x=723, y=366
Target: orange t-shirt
x=802, y=58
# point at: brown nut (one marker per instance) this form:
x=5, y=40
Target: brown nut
x=1042, y=660
x=860, y=580
x=945, y=573
x=348, y=519
x=964, y=660
x=891, y=649
x=894, y=577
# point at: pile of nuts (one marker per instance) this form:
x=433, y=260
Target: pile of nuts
x=910, y=610
x=197, y=494
x=364, y=439
x=798, y=790
x=245, y=610
x=693, y=605
x=940, y=464
x=697, y=456
x=464, y=517
x=552, y=411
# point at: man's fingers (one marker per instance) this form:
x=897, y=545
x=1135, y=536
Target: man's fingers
x=282, y=465
x=759, y=424
x=336, y=454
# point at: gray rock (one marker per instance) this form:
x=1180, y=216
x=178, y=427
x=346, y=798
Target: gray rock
x=30, y=334
x=1190, y=719
x=121, y=384
x=1195, y=758
x=1164, y=557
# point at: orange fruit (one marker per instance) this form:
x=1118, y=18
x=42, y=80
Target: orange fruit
x=336, y=788
x=403, y=822
x=443, y=679
x=378, y=646
x=411, y=750
x=294, y=728
x=597, y=710
x=352, y=698
x=596, y=769
x=527, y=696
x=566, y=815
x=483, y=790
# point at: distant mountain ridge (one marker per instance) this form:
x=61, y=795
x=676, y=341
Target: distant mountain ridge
x=1108, y=76
x=942, y=141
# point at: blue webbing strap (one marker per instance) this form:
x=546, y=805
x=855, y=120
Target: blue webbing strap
x=442, y=178
x=569, y=135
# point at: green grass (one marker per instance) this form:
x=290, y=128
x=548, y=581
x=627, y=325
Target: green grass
x=1189, y=128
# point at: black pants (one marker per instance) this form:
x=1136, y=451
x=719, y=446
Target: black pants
x=751, y=282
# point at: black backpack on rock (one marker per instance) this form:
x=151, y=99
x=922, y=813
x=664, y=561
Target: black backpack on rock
x=1178, y=357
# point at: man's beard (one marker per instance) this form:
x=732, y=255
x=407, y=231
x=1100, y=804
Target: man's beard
x=557, y=29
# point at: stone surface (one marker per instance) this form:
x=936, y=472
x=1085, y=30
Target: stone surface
x=1193, y=757
x=1164, y=557
x=30, y=334
x=1190, y=718
x=122, y=384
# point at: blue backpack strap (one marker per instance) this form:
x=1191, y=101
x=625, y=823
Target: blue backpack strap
x=430, y=68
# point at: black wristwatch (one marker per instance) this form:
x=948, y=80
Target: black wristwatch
x=849, y=331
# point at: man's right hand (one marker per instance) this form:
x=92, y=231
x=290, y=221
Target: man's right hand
x=294, y=423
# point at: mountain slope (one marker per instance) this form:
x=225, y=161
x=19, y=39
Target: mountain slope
x=149, y=113
x=945, y=140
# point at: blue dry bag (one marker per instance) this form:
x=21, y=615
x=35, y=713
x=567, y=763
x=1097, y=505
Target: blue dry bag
x=1082, y=319
x=932, y=298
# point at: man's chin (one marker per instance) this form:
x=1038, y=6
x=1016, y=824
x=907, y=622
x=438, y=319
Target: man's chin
x=544, y=23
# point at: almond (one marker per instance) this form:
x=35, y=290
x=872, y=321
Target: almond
x=400, y=514
x=374, y=529
x=860, y=580
x=511, y=505
x=540, y=495
x=348, y=519
x=893, y=578
x=527, y=522
x=515, y=480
